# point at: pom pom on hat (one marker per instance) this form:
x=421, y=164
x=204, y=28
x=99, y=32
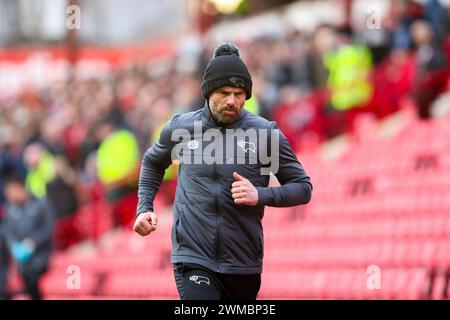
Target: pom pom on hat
x=226, y=49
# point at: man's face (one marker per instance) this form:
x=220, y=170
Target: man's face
x=226, y=103
x=15, y=192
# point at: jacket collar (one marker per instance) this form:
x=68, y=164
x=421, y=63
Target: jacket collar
x=211, y=122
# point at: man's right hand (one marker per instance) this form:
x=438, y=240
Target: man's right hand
x=145, y=223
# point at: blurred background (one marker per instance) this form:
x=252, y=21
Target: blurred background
x=360, y=88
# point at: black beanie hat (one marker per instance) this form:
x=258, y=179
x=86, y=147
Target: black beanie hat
x=226, y=69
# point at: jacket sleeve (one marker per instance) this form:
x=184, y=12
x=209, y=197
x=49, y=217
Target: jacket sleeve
x=296, y=187
x=154, y=164
x=9, y=235
x=43, y=233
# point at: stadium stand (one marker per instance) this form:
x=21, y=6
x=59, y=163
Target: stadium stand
x=367, y=210
x=378, y=224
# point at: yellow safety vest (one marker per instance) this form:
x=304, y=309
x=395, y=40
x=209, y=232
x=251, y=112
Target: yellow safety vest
x=348, y=81
x=38, y=178
x=117, y=156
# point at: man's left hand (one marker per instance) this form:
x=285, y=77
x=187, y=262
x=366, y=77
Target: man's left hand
x=243, y=191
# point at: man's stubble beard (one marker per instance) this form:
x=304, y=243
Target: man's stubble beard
x=222, y=118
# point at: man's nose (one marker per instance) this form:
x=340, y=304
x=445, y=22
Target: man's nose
x=231, y=100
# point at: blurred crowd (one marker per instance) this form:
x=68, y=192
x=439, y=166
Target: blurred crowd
x=78, y=142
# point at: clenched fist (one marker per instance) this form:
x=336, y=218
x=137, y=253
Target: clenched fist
x=145, y=223
x=243, y=191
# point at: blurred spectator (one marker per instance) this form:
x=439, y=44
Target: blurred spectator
x=279, y=70
x=118, y=168
x=28, y=230
x=62, y=197
x=393, y=81
x=323, y=42
x=438, y=17
x=61, y=190
x=41, y=169
x=431, y=64
x=89, y=186
x=300, y=115
x=399, y=23
x=299, y=48
x=10, y=159
x=430, y=54
x=51, y=135
x=161, y=115
x=349, y=67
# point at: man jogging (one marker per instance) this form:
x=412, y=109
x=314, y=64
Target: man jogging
x=226, y=154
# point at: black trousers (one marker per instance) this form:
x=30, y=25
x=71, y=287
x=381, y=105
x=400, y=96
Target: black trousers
x=31, y=273
x=31, y=281
x=195, y=282
x=4, y=262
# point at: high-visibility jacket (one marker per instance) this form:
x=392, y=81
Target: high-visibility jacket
x=118, y=155
x=38, y=178
x=348, y=81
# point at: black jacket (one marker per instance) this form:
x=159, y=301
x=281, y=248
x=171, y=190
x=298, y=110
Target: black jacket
x=208, y=227
x=35, y=220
